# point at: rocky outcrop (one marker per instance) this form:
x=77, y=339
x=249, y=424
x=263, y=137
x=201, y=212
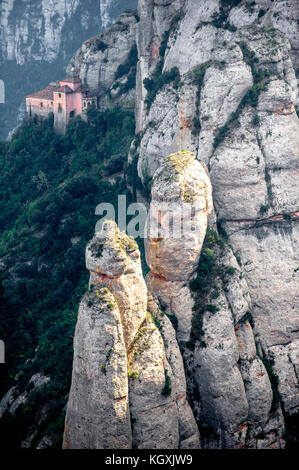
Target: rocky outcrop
x=234, y=107
x=13, y=399
x=98, y=412
x=136, y=391
x=19, y=399
x=219, y=329
x=107, y=63
x=228, y=383
x=172, y=253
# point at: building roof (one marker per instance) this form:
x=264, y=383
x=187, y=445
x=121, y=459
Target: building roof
x=46, y=93
x=88, y=95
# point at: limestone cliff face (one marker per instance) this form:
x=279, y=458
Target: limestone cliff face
x=97, y=62
x=128, y=385
x=234, y=107
x=40, y=30
x=229, y=385
x=219, y=81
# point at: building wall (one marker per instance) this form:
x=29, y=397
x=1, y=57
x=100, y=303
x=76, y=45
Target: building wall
x=73, y=86
x=60, y=112
x=73, y=103
x=62, y=105
x=33, y=107
x=86, y=102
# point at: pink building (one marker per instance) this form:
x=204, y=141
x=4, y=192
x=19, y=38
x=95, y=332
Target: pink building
x=65, y=99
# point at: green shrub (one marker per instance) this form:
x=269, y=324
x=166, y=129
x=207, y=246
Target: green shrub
x=44, y=232
x=132, y=374
x=287, y=217
x=167, y=386
x=256, y=120
x=261, y=13
x=220, y=19
x=274, y=379
x=153, y=85
x=264, y=208
x=211, y=308
x=124, y=69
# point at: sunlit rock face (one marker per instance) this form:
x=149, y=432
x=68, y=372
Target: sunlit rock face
x=180, y=205
x=128, y=382
x=97, y=61
x=228, y=344
x=231, y=389
x=98, y=411
x=234, y=107
x=113, y=260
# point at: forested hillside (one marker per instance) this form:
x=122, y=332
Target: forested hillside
x=50, y=186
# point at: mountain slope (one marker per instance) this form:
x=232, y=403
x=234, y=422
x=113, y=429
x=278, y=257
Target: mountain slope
x=48, y=200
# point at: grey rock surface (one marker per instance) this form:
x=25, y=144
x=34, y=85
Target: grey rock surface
x=98, y=412
x=98, y=59
x=37, y=30
x=232, y=359
x=252, y=159
x=120, y=396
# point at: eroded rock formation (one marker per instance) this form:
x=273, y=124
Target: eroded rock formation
x=97, y=62
x=219, y=81
x=128, y=388
x=228, y=382
x=234, y=106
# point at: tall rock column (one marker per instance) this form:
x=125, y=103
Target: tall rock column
x=128, y=386
x=109, y=317
x=97, y=411
x=180, y=185
x=201, y=288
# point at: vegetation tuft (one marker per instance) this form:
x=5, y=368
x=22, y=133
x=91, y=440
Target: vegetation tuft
x=159, y=79
x=260, y=81
x=210, y=272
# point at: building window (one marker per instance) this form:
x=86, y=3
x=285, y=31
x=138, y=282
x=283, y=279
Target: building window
x=72, y=114
x=41, y=105
x=59, y=94
x=59, y=108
